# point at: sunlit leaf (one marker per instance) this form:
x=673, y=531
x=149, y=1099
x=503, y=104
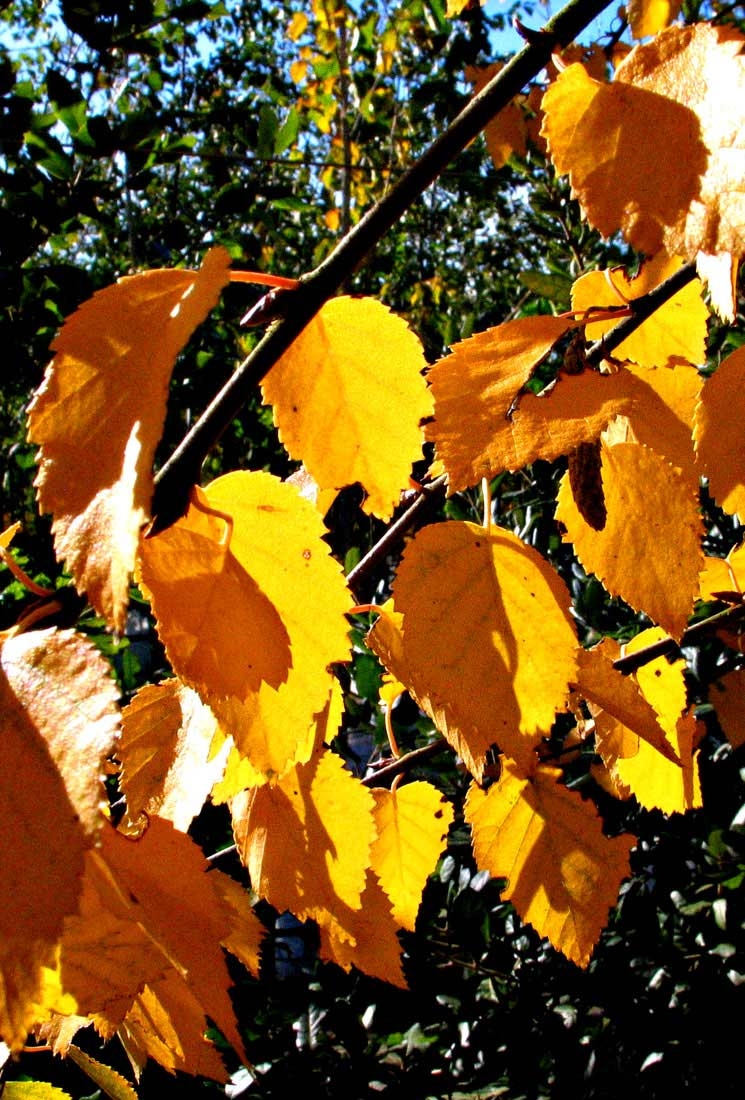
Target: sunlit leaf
x=563, y=874
x=675, y=332
x=168, y=767
x=702, y=68
x=412, y=822
x=59, y=723
x=277, y=537
x=647, y=17
x=246, y=930
x=487, y=634
x=659, y=573
x=663, y=411
x=108, y=1080
x=719, y=434
x=348, y=396
x=599, y=135
x=306, y=839
x=98, y=417
x=365, y=937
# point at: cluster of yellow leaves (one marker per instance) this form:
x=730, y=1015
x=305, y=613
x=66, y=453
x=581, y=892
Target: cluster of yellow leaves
x=130, y=923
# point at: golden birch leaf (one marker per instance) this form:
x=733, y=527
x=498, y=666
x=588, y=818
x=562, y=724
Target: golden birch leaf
x=675, y=333
x=246, y=930
x=386, y=640
x=278, y=536
x=167, y=1023
x=412, y=822
x=108, y=1080
x=366, y=937
x=59, y=723
x=647, y=17
x=98, y=417
x=487, y=634
x=728, y=696
x=306, y=839
x=724, y=574
x=163, y=889
x=659, y=573
x=223, y=635
x=701, y=68
x=719, y=435
x=599, y=135
x=348, y=396
x=506, y=132
x=474, y=388
x=659, y=784
x=620, y=696
x=168, y=767
x=563, y=874
x=663, y=412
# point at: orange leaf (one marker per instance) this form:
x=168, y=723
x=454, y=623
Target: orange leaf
x=487, y=635
x=98, y=417
x=675, y=333
x=506, y=132
x=728, y=696
x=701, y=68
x=278, y=536
x=599, y=134
x=306, y=839
x=620, y=696
x=167, y=1023
x=59, y=722
x=168, y=767
x=663, y=410
x=222, y=634
x=348, y=396
x=658, y=574
x=412, y=823
x=474, y=389
x=718, y=432
x=365, y=937
x=563, y=874
x=157, y=886
x=246, y=930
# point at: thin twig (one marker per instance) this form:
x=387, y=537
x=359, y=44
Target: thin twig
x=667, y=646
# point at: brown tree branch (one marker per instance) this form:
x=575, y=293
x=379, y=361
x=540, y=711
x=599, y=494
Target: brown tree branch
x=182, y=470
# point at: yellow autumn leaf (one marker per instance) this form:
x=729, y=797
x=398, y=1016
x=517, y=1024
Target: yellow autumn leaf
x=620, y=696
x=33, y=1090
x=487, y=635
x=647, y=17
x=719, y=435
x=728, y=697
x=167, y=764
x=412, y=822
x=156, y=888
x=676, y=332
x=662, y=412
x=365, y=937
x=108, y=1080
x=659, y=573
x=563, y=874
x=724, y=574
x=277, y=536
x=59, y=723
x=348, y=396
x=221, y=632
x=700, y=68
x=306, y=839
x=167, y=1023
x=657, y=782
x=474, y=389
x=598, y=135
x=246, y=930
x=506, y=132
x=98, y=417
